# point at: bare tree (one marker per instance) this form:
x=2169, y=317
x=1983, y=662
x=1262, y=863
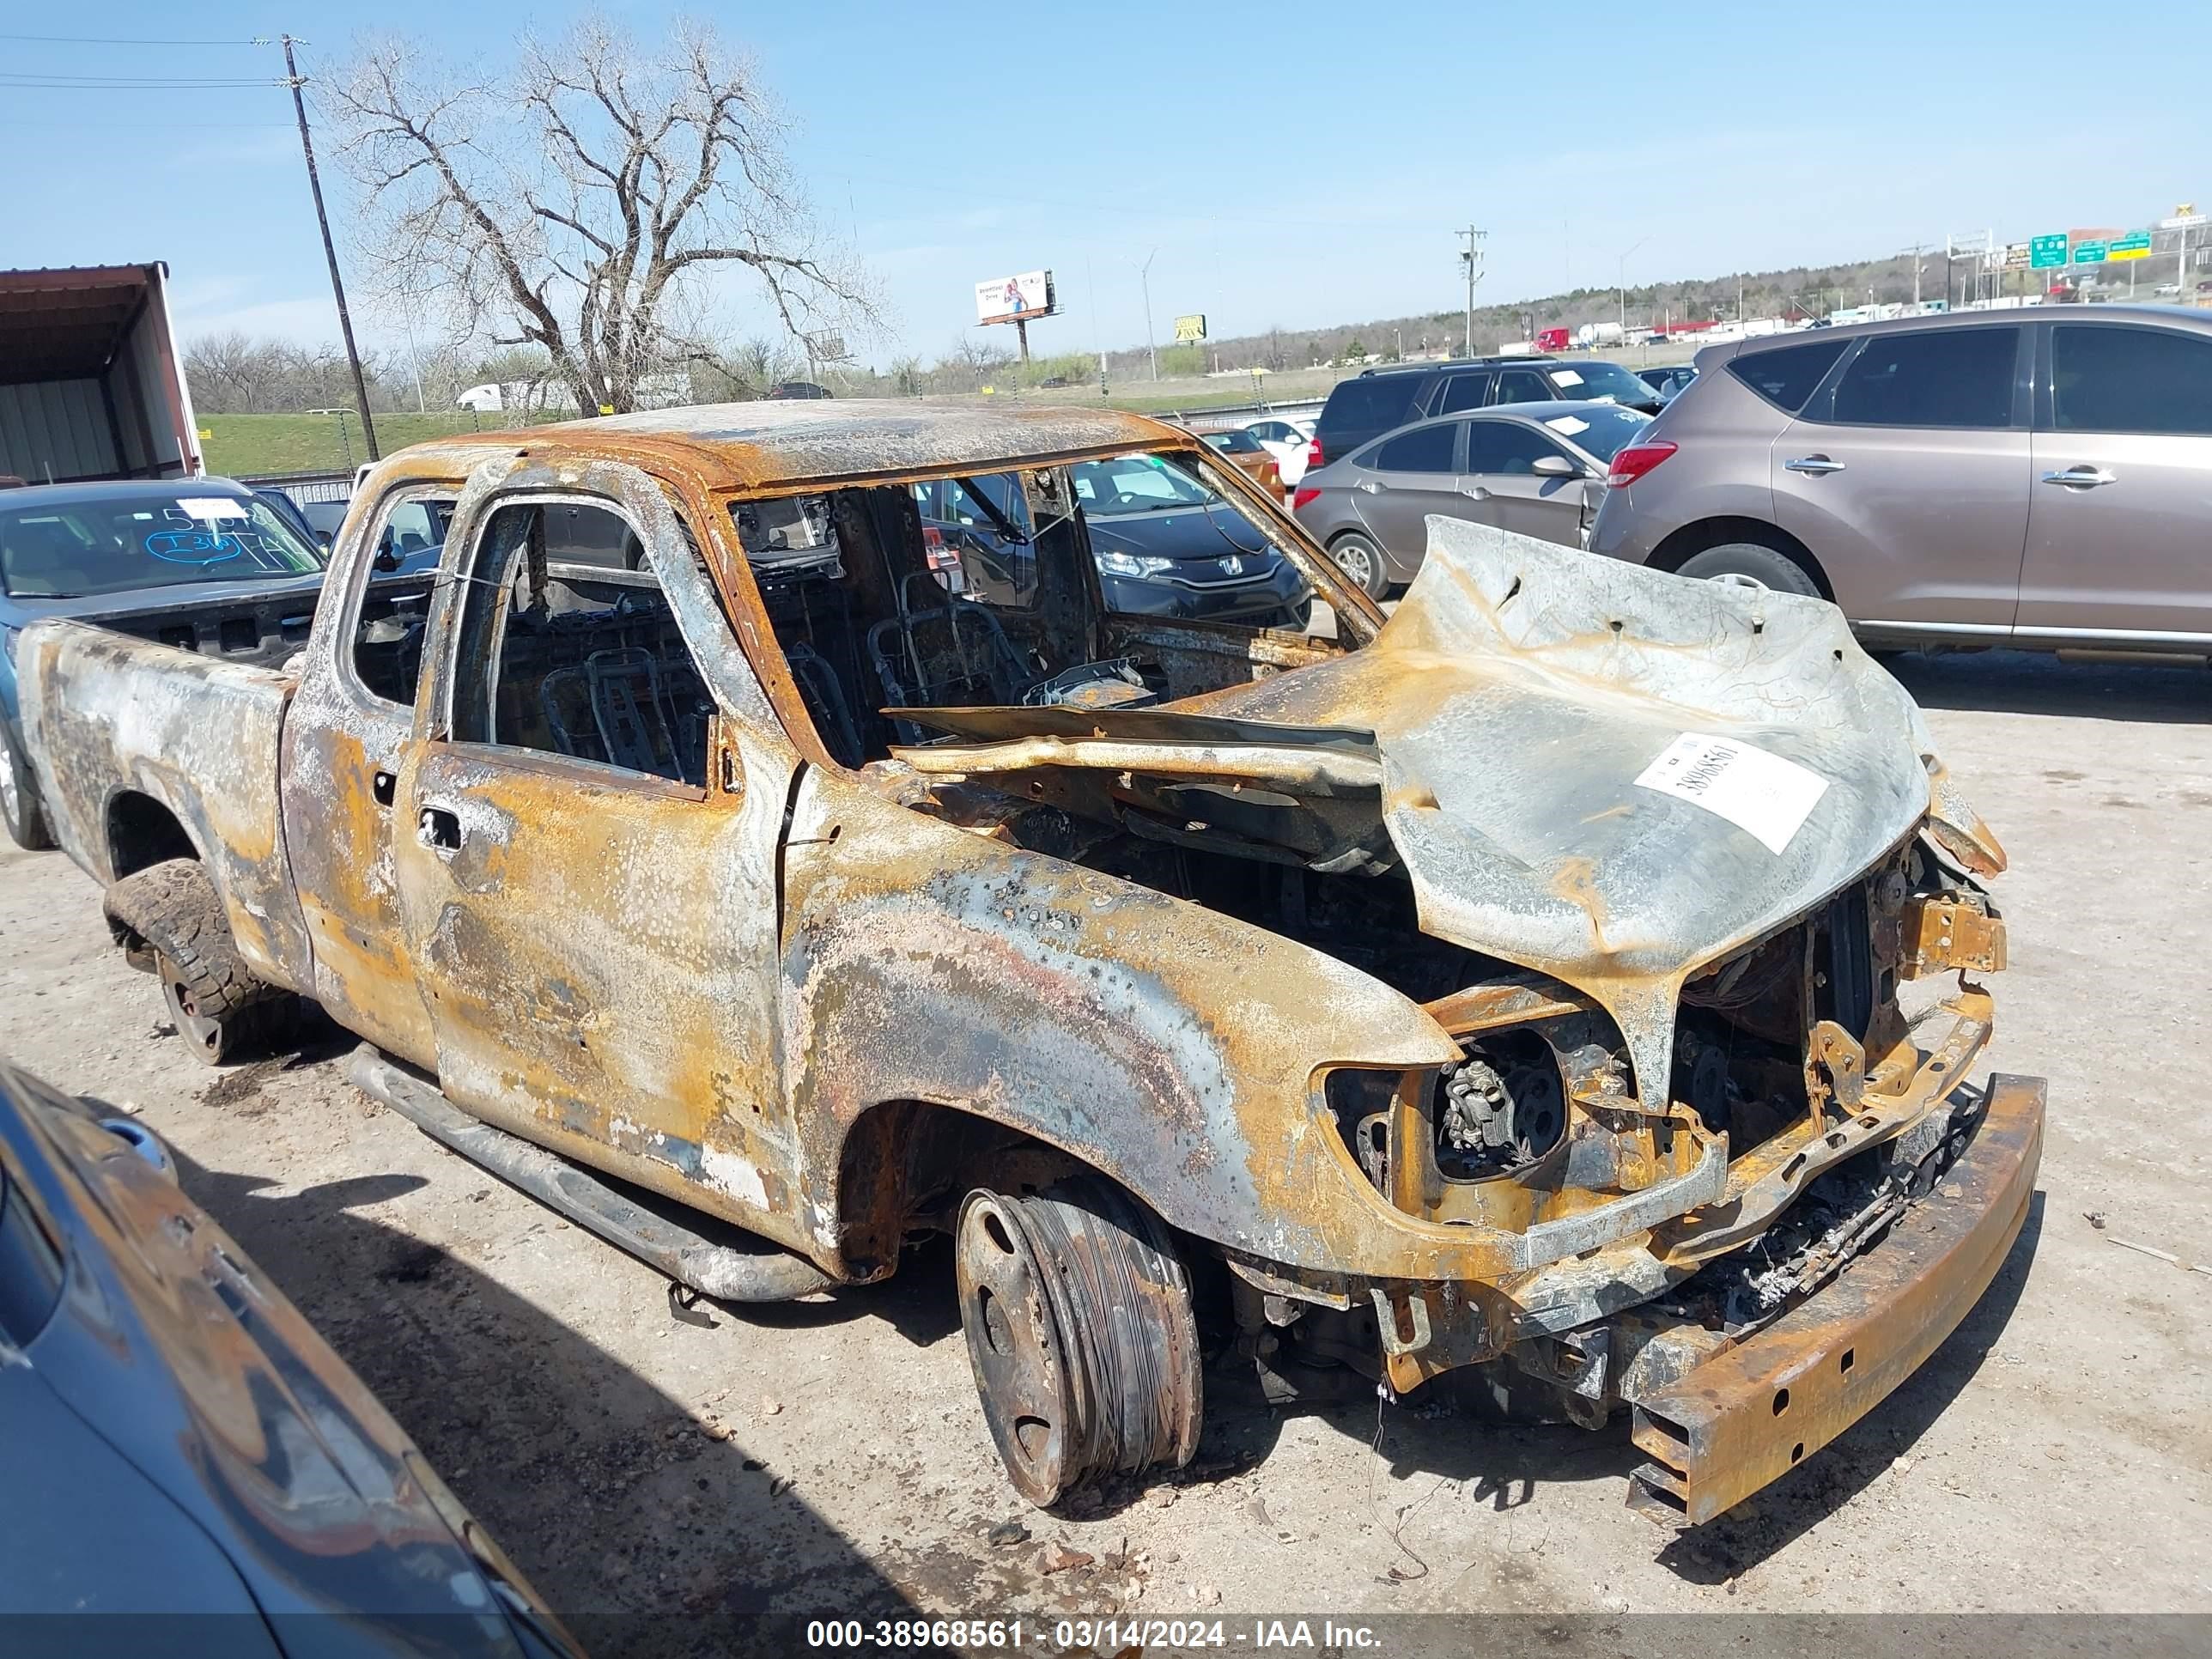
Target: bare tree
x=589, y=228
x=232, y=374
x=976, y=361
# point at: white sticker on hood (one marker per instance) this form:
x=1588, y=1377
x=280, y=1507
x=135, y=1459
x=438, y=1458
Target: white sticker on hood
x=212, y=506
x=1756, y=791
x=1565, y=377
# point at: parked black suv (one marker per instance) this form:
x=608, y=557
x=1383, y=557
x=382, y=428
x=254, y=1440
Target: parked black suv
x=1379, y=400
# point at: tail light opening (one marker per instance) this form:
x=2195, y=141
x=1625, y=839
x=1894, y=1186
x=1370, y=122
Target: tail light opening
x=1636, y=459
x=1303, y=494
x=1313, y=452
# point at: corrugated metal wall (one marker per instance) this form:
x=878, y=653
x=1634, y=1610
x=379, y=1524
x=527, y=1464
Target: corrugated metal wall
x=136, y=378
x=57, y=428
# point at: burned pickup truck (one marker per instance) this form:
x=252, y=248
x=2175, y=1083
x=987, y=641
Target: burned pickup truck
x=1517, y=986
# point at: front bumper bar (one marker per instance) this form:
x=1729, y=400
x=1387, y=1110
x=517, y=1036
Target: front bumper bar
x=1746, y=1416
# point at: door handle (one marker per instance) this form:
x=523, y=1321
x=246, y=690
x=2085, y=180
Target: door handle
x=438, y=828
x=1474, y=492
x=1814, y=464
x=2082, y=478
x=1373, y=486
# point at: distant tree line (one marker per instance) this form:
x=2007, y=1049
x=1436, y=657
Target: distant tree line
x=232, y=373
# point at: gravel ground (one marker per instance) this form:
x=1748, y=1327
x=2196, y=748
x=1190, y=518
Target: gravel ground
x=828, y=1458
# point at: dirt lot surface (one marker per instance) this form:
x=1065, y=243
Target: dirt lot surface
x=828, y=1457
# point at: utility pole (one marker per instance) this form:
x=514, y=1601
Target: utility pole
x=1144, y=275
x=1620, y=277
x=1471, y=257
x=1918, y=248
x=329, y=251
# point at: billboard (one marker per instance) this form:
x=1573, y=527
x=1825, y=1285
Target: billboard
x=1012, y=298
x=1190, y=330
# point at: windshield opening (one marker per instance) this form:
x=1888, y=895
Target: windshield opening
x=175, y=536
x=1068, y=584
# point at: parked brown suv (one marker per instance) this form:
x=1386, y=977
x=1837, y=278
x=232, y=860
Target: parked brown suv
x=2040, y=478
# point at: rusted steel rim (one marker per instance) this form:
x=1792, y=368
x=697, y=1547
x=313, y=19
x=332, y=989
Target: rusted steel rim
x=1080, y=1332
x=198, y=1028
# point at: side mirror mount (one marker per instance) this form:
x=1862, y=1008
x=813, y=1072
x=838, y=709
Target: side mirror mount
x=1555, y=466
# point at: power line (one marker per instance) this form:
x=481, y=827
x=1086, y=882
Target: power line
x=110, y=41
x=15, y=83
x=176, y=128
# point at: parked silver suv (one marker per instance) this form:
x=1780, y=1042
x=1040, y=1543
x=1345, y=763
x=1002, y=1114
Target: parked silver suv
x=2040, y=477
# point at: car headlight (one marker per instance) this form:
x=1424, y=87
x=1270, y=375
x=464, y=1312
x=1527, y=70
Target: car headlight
x=1133, y=564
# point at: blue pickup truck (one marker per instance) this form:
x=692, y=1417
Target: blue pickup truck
x=198, y=562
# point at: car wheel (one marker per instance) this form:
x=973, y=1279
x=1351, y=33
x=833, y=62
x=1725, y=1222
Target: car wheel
x=223, y=1012
x=18, y=799
x=1750, y=564
x=1080, y=1332
x=1361, y=562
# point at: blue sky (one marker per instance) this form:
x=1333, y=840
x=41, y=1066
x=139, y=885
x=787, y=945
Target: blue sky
x=1290, y=168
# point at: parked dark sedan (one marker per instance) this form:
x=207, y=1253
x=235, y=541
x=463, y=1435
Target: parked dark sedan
x=1166, y=545
x=175, y=1438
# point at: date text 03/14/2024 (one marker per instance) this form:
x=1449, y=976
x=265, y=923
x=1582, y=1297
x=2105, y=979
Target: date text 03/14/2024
x=1070, y=1635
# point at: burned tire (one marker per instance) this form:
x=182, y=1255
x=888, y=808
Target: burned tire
x=1751, y=564
x=222, y=1012
x=1081, y=1333
x=20, y=806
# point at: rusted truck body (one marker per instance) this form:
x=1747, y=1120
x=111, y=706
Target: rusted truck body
x=1508, y=987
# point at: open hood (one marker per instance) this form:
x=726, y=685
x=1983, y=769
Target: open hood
x=1611, y=774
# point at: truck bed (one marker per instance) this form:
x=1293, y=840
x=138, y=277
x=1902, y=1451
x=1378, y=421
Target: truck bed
x=136, y=741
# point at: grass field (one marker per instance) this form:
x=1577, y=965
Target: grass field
x=247, y=446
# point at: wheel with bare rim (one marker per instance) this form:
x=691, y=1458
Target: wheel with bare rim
x=1080, y=1332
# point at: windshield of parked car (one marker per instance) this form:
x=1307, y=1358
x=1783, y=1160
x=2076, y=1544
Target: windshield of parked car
x=1135, y=483
x=1232, y=443
x=1598, y=382
x=158, y=537
x=1603, y=431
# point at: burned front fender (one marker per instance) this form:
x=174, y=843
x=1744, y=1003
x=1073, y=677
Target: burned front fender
x=1173, y=1048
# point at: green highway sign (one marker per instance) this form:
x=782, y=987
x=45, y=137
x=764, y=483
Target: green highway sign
x=2088, y=253
x=2136, y=245
x=2045, y=251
